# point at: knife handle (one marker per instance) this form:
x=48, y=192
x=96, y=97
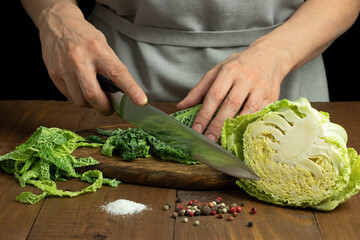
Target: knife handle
x=107, y=85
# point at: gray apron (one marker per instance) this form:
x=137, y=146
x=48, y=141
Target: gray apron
x=168, y=45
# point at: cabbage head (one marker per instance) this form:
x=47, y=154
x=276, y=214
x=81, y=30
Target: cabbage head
x=300, y=156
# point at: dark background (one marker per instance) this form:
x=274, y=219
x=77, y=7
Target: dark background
x=25, y=75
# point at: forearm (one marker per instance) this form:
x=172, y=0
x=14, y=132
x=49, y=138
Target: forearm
x=312, y=28
x=38, y=9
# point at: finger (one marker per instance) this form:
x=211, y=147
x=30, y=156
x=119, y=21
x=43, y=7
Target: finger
x=212, y=101
x=61, y=86
x=113, y=68
x=92, y=91
x=74, y=90
x=196, y=95
x=229, y=109
x=253, y=103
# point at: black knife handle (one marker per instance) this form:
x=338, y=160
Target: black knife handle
x=107, y=85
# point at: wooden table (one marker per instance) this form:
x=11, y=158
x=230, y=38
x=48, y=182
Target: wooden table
x=83, y=218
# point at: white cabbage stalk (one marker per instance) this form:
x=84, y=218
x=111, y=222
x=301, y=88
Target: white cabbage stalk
x=300, y=156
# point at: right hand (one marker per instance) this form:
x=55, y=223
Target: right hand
x=74, y=52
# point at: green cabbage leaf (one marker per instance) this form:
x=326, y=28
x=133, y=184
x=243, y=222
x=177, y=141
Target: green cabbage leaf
x=45, y=158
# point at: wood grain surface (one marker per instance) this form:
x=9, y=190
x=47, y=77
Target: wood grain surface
x=83, y=218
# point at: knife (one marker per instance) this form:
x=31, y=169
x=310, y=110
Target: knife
x=174, y=133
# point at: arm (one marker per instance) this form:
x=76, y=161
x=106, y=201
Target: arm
x=74, y=51
x=251, y=79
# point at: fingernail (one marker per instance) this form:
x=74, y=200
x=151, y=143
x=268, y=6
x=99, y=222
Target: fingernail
x=197, y=127
x=211, y=137
x=140, y=99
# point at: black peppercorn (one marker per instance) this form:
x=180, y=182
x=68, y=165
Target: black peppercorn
x=250, y=224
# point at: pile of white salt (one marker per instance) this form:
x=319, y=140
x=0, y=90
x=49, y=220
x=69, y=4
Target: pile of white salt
x=123, y=207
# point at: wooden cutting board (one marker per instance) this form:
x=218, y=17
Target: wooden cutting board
x=153, y=171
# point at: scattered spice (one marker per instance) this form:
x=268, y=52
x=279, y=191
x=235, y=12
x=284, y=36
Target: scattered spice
x=216, y=207
x=123, y=207
x=238, y=209
x=253, y=210
x=230, y=218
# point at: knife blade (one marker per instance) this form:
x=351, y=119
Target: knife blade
x=174, y=133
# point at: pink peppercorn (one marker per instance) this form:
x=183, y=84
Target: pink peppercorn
x=219, y=199
x=238, y=209
x=253, y=210
x=233, y=209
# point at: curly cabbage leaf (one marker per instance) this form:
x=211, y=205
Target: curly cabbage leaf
x=134, y=142
x=300, y=156
x=46, y=157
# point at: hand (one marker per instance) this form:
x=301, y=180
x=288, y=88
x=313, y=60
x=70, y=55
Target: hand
x=74, y=51
x=243, y=83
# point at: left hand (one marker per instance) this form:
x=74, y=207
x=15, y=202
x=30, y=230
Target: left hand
x=245, y=82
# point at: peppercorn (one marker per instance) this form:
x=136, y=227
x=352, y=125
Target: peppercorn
x=230, y=218
x=181, y=212
x=250, y=224
x=178, y=200
x=174, y=214
x=196, y=223
x=213, y=212
x=185, y=220
x=233, y=209
x=224, y=210
x=205, y=210
x=233, y=205
x=190, y=214
x=180, y=206
x=197, y=213
x=190, y=203
x=166, y=207
x=219, y=199
x=211, y=205
x=243, y=204
x=253, y=210
x=220, y=215
x=235, y=214
x=238, y=209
